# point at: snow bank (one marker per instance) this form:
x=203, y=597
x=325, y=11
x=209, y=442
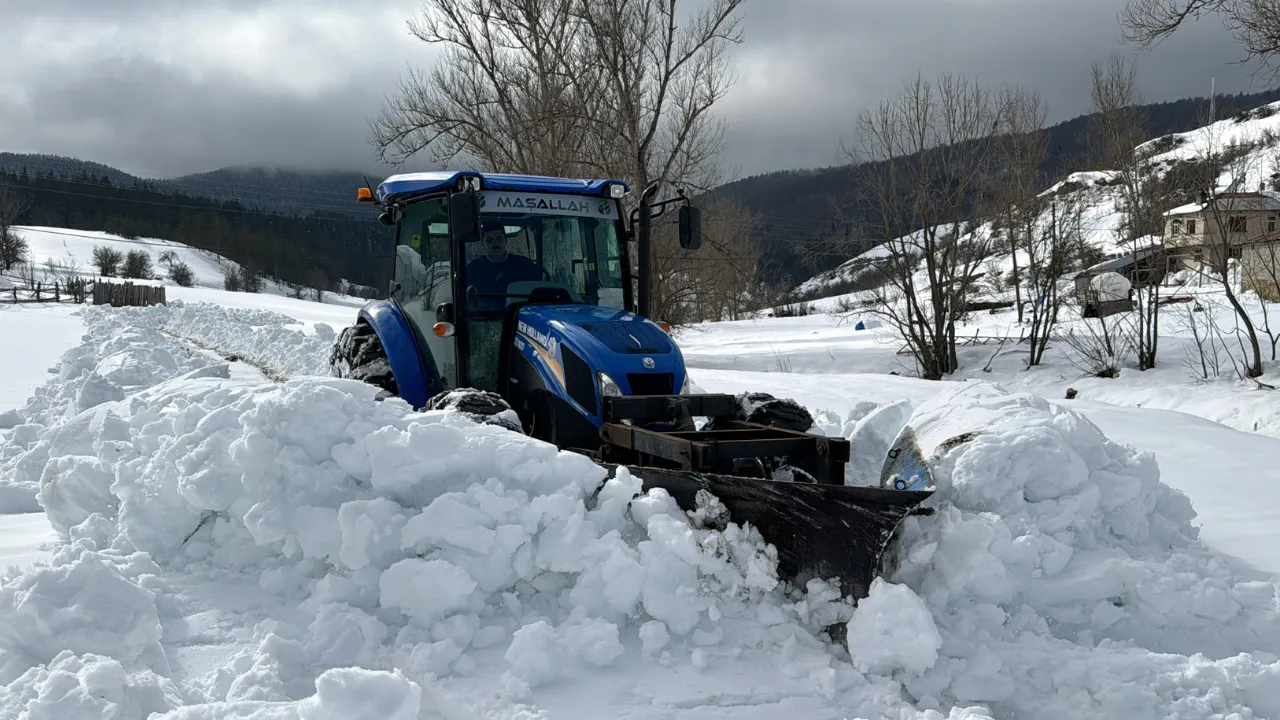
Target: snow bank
x=408, y=565
x=1066, y=580
x=410, y=539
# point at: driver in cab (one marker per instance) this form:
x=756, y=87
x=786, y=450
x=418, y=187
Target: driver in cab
x=491, y=273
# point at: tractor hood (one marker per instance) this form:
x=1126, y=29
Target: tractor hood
x=633, y=351
x=618, y=331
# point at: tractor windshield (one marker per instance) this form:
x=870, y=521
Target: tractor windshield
x=521, y=249
x=559, y=241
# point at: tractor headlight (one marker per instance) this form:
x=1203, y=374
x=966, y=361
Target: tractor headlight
x=616, y=190
x=608, y=388
x=684, y=388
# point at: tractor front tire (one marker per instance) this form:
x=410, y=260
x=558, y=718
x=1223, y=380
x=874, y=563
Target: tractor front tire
x=784, y=413
x=480, y=405
x=358, y=354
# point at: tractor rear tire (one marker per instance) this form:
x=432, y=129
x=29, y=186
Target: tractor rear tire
x=358, y=354
x=480, y=405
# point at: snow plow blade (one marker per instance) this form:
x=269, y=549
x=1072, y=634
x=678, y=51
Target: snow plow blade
x=768, y=471
x=820, y=530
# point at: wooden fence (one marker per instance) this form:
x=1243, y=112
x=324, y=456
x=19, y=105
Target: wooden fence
x=82, y=290
x=73, y=291
x=127, y=294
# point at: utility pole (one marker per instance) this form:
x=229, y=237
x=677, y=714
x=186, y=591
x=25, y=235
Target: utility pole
x=1213, y=97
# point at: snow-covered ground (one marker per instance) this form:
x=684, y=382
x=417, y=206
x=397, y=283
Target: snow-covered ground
x=247, y=539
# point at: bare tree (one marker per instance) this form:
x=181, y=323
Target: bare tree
x=721, y=280
x=927, y=192
x=504, y=92
x=13, y=248
x=1022, y=149
x=1055, y=244
x=1254, y=23
x=1118, y=128
x=614, y=88
x=107, y=260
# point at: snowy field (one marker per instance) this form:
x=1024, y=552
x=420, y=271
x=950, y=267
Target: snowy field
x=72, y=251
x=245, y=539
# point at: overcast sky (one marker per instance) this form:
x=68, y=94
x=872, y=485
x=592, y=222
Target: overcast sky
x=162, y=88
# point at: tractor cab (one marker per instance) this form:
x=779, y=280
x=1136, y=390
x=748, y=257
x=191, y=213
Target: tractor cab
x=458, y=271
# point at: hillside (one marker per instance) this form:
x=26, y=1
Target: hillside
x=799, y=208
x=1247, y=139
x=314, y=248
x=59, y=253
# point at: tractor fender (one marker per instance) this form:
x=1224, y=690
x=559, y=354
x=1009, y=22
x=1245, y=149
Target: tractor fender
x=415, y=371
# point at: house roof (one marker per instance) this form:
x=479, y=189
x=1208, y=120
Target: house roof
x=1232, y=202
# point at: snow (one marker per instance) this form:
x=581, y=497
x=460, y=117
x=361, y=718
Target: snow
x=281, y=545
x=36, y=336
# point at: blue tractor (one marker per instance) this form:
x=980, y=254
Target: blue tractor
x=514, y=301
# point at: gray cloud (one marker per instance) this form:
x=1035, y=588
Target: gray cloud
x=808, y=66
x=159, y=88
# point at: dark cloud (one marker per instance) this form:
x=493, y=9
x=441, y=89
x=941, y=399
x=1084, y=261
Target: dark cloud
x=162, y=88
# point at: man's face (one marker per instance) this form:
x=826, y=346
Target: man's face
x=495, y=244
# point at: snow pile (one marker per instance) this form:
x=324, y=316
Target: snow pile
x=115, y=357
x=263, y=338
x=410, y=540
x=1065, y=579
x=370, y=561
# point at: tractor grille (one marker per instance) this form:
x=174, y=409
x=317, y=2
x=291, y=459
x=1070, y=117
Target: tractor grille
x=578, y=381
x=651, y=383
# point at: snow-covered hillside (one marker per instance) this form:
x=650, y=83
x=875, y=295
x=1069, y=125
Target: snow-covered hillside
x=249, y=539
x=1248, y=140
x=72, y=252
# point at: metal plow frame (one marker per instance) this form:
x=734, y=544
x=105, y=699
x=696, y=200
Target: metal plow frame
x=821, y=530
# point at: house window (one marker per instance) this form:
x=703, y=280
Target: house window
x=1238, y=224
x=1176, y=228
x=1191, y=227
x=1271, y=224
x=1235, y=252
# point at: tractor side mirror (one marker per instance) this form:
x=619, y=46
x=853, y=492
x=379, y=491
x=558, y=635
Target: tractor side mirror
x=464, y=217
x=690, y=227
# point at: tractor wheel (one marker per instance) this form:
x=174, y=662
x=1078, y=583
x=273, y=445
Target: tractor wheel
x=765, y=409
x=358, y=354
x=479, y=405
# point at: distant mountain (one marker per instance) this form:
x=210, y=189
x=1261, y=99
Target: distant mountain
x=798, y=207
x=288, y=192
x=274, y=190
